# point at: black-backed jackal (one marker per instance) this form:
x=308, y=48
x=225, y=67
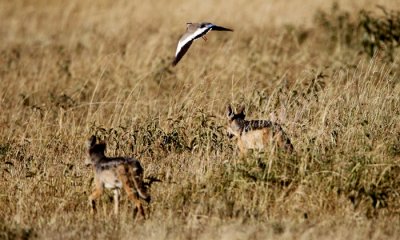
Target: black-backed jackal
x=115, y=173
x=255, y=134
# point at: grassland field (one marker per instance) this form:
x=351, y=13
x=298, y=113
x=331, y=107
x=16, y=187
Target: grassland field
x=328, y=72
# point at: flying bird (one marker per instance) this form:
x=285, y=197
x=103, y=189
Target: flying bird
x=193, y=32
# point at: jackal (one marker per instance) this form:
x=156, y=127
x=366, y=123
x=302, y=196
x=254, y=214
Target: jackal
x=116, y=173
x=255, y=134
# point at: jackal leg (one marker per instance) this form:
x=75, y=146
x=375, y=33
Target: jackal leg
x=128, y=185
x=116, y=201
x=98, y=191
x=242, y=150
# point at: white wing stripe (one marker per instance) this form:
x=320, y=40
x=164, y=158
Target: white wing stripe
x=189, y=38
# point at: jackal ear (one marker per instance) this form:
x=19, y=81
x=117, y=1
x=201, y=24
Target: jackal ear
x=91, y=142
x=229, y=112
x=102, y=145
x=241, y=110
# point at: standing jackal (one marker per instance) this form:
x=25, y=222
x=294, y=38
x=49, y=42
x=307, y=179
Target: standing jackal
x=116, y=173
x=255, y=134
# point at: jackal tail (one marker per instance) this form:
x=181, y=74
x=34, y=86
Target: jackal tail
x=137, y=176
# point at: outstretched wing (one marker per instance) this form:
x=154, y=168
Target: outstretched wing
x=187, y=40
x=181, y=51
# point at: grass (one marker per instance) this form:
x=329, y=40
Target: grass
x=72, y=69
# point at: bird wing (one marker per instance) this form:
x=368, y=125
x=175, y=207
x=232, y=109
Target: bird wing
x=219, y=28
x=183, y=49
x=189, y=37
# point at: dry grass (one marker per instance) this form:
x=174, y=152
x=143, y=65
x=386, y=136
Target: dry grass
x=69, y=69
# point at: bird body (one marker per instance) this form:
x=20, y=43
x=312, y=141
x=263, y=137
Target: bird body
x=193, y=32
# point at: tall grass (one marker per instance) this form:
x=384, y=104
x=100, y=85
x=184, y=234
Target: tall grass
x=76, y=68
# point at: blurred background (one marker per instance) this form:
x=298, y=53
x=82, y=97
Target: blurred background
x=326, y=71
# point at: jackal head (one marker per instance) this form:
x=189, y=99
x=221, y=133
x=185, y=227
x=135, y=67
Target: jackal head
x=95, y=150
x=235, y=121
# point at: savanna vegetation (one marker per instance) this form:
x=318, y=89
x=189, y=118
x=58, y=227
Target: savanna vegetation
x=328, y=72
